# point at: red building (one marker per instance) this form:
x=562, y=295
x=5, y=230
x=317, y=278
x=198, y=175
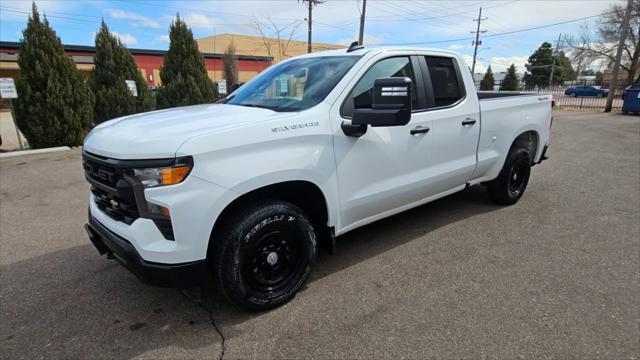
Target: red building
x=149, y=62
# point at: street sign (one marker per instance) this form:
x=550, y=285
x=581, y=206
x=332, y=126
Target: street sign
x=132, y=87
x=222, y=87
x=8, y=89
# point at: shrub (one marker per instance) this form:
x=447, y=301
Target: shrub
x=183, y=74
x=55, y=105
x=113, y=65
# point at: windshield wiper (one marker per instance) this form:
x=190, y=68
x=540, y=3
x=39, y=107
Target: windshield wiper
x=255, y=106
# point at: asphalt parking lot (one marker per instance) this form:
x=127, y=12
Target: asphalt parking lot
x=555, y=276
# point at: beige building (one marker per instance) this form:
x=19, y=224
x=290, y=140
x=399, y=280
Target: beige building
x=249, y=45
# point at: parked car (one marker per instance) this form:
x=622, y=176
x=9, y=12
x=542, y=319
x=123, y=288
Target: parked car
x=586, y=91
x=241, y=194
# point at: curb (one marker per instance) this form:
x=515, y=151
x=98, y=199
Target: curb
x=32, y=152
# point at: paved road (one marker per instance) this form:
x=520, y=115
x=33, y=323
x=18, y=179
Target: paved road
x=555, y=276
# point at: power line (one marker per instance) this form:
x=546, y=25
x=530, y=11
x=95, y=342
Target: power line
x=499, y=34
x=395, y=19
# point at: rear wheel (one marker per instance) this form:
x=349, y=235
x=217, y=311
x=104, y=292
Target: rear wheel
x=512, y=181
x=600, y=95
x=262, y=256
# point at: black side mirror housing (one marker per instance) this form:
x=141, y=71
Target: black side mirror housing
x=390, y=106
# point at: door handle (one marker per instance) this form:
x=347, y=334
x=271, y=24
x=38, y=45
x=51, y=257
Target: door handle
x=468, y=122
x=419, y=130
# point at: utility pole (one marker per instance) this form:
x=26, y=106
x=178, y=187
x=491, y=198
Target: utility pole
x=362, y=16
x=554, y=55
x=616, y=66
x=477, y=42
x=310, y=5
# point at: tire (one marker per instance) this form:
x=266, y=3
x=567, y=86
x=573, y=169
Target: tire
x=573, y=94
x=512, y=181
x=600, y=95
x=263, y=255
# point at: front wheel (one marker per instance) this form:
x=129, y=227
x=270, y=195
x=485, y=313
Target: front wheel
x=573, y=94
x=263, y=255
x=600, y=95
x=510, y=184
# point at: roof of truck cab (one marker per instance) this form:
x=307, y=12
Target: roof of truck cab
x=373, y=50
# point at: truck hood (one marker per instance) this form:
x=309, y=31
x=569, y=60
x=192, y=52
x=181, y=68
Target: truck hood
x=159, y=134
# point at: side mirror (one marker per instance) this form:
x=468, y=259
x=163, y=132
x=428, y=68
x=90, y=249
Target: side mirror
x=390, y=106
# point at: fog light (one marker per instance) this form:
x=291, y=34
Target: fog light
x=158, y=210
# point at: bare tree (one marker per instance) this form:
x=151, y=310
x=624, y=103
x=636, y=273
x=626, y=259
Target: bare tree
x=230, y=65
x=602, y=44
x=275, y=37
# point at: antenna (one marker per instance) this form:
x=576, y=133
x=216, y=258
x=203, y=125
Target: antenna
x=355, y=46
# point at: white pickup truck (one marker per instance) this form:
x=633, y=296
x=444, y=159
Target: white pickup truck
x=240, y=194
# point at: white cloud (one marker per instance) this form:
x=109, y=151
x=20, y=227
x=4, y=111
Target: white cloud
x=138, y=20
x=20, y=9
x=498, y=63
x=505, y=46
x=162, y=39
x=195, y=20
x=126, y=39
x=455, y=47
x=480, y=68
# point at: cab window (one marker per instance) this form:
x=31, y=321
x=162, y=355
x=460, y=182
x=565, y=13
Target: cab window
x=445, y=84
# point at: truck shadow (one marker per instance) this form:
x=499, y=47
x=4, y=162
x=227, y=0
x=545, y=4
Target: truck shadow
x=369, y=241
x=73, y=304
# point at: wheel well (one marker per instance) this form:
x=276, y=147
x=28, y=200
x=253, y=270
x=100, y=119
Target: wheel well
x=302, y=194
x=529, y=141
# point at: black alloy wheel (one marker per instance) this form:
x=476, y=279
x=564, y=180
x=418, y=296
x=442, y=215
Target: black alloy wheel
x=262, y=256
x=512, y=180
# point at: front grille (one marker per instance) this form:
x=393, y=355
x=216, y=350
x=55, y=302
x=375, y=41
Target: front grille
x=113, y=194
x=104, y=174
x=117, y=208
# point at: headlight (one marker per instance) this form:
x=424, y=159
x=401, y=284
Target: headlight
x=161, y=176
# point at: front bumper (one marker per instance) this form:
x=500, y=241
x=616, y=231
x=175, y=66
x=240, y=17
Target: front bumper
x=184, y=275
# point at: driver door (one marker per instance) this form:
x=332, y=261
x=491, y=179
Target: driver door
x=384, y=169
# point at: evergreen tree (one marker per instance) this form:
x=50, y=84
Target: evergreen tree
x=230, y=62
x=113, y=65
x=183, y=74
x=510, y=81
x=55, y=105
x=487, y=81
x=540, y=63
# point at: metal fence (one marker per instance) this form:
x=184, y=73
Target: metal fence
x=571, y=96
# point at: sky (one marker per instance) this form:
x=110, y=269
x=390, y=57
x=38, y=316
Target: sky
x=435, y=23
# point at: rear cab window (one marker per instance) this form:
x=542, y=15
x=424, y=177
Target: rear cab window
x=443, y=82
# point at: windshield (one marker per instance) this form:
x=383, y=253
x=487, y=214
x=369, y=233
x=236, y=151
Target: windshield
x=294, y=85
